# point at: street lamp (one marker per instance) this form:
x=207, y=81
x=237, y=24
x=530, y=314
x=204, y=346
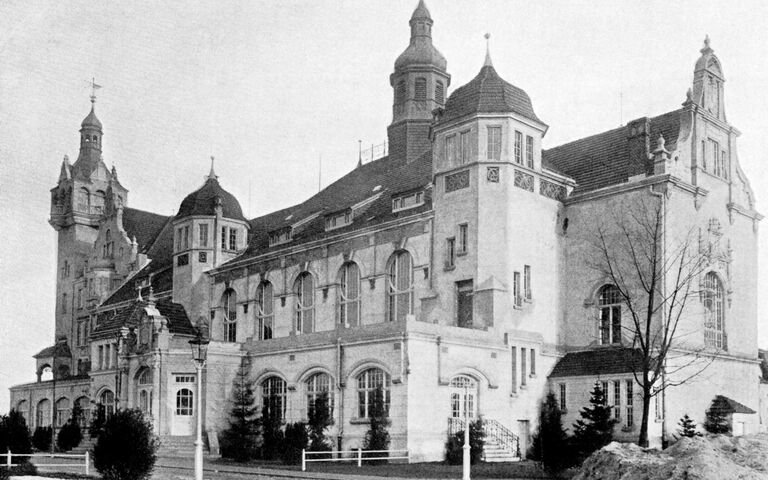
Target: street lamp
x=122, y=335
x=199, y=347
x=466, y=456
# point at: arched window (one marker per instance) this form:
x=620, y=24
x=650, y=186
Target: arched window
x=317, y=385
x=400, y=92
x=82, y=200
x=273, y=396
x=609, y=302
x=400, y=286
x=713, y=298
x=107, y=249
x=439, y=92
x=265, y=313
x=185, y=402
x=145, y=377
x=304, y=288
x=229, y=306
x=349, y=295
x=43, y=413
x=98, y=200
x=463, y=397
x=368, y=383
x=107, y=401
x=62, y=411
x=145, y=401
x=22, y=408
x=84, y=411
x=420, y=88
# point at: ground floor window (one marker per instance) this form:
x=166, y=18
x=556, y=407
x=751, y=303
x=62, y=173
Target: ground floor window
x=368, y=383
x=185, y=402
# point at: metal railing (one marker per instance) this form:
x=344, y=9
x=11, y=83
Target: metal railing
x=85, y=456
x=356, y=455
x=502, y=435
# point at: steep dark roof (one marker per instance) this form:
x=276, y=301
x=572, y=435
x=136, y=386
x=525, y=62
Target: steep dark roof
x=724, y=404
x=203, y=201
x=91, y=120
x=389, y=175
x=602, y=160
x=60, y=350
x=109, y=323
x=144, y=226
x=488, y=93
x=601, y=361
x=157, y=274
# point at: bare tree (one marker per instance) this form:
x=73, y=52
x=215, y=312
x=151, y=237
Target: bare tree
x=655, y=263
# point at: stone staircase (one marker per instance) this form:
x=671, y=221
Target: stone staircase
x=86, y=444
x=177, y=446
x=501, y=445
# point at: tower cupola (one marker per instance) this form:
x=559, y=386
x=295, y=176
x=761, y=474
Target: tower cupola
x=708, y=82
x=91, y=134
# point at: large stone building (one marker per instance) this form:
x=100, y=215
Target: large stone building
x=454, y=273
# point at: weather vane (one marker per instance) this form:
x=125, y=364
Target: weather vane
x=94, y=87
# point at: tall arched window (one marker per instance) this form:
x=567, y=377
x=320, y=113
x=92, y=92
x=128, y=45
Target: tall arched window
x=62, y=411
x=317, y=385
x=368, y=382
x=229, y=306
x=273, y=396
x=463, y=397
x=420, y=88
x=82, y=200
x=43, y=413
x=107, y=400
x=265, y=302
x=98, y=201
x=84, y=414
x=400, y=286
x=304, y=288
x=609, y=302
x=144, y=382
x=349, y=295
x=713, y=298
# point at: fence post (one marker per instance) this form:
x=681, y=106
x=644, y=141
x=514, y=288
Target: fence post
x=303, y=460
x=359, y=457
x=8, y=459
x=87, y=462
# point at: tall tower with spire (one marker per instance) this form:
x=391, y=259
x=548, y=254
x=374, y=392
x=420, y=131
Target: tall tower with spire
x=419, y=85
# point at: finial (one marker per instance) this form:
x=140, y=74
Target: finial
x=138, y=291
x=66, y=159
x=212, y=175
x=94, y=87
x=488, y=62
x=707, y=47
x=114, y=173
x=660, y=142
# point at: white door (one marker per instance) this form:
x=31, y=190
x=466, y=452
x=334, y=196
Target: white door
x=184, y=406
x=463, y=397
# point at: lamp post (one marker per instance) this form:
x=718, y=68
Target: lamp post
x=199, y=347
x=466, y=457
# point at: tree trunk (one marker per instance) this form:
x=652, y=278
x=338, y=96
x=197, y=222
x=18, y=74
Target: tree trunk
x=643, y=439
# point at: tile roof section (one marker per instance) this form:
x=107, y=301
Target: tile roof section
x=60, y=350
x=729, y=405
x=601, y=361
x=158, y=275
x=602, y=160
x=488, y=93
x=144, y=226
x=393, y=176
x=203, y=201
x=108, y=323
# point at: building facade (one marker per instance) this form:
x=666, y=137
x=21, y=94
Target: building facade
x=454, y=273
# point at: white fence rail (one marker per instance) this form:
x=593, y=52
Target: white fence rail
x=85, y=456
x=356, y=456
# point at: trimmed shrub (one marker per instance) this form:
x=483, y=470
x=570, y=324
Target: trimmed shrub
x=377, y=436
x=550, y=444
x=41, y=439
x=69, y=436
x=454, y=447
x=24, y=469
x=14, y=435
x=320, y=418
x=718, y=417
x=241, y=441
x=97, y=423
x=594, y=429
x=295, y=440
x=126, y=448
x=271, y=422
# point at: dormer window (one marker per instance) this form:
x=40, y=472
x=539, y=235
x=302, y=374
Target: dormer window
x=338, y=220
x=281, y=236
x=410, y=200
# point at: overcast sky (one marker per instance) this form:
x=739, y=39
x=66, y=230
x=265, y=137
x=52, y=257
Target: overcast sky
x=271, y=87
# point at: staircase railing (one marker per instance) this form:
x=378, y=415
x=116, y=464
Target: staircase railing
x=502, y=436
x=455, y=425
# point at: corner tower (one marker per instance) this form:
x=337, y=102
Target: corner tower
x=419, y=85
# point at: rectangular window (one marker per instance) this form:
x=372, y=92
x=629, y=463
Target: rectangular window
x=513, y=351
x=533, y=362
x=630, y=421
x=617, y=400
x=523, y=368
x=233, y=239
x=450, y=149
x=516, y=290
x=704, y=154
x=724, y=164
x=203, y=234
x=223, y=237
x=341, y=219
x=562, y=398
x=494, y=143
x=527, y=282
x=713, y=161
x=410, y=200
x=101, y=357
x=178, y=239
x=464, y=294
x=518, y=147
x=439, y=92
x=450, y=252
x=529, y=151
x=465, y=148
x=64, y=303
x=463, y=240
x=186, y=237
x=604, y=386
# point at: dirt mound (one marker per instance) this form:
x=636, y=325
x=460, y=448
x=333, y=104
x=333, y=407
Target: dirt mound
x=715, y=457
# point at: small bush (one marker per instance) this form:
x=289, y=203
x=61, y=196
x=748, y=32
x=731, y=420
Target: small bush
x=550, y=444
x=594, y=429
x=687, y=427
x=41, y=439
x=69, y=436
x=377, y=436
x=242, y=440
x=320, y=418
x=454, y=447
x=14, y=434
x=272, y=434
x=97, y=423
x=24, y=469
x=719, y=416
x=126, y=448
x=296, y=440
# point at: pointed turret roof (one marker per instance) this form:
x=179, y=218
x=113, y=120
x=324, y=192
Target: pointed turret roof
x=203, y=201
x=92, y=120
x=421, y=51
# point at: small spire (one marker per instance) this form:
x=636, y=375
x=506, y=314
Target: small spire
x=94, y=87
x=212, y=175
x=488, y=62
x=114, y=173
x=66, y=160
x=707, y=48
x=421, y=11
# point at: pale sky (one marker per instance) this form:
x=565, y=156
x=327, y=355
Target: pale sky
x=271, y=87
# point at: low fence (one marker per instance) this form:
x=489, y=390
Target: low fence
x=85, y=456
x=356, y=456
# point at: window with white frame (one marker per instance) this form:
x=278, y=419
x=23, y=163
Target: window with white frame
x=463, y=239
x=185, y=402
x=400, y=286
x=713, y=299
x=319, y=385
x=411, y=200
x=529, y=151
x=224, y=238
x=349, y=295
x=609, y=303
x=466, y=147
x=232, y=238
x=450, y=252
x=617, y=400
x=450, y=149
x=304, y=289
x=494, y=143
x=273, y=392
x=107, y=400
x=517, y=289
x=229, y=307
x=518, y=147
x=562, y=398
x=265, y=314
x=368, y=383
x=523, y=367
x=203, y=234
x=527, y=282
x=62, y=411
x=43, y=413
x=630, y=420
x=338, y=220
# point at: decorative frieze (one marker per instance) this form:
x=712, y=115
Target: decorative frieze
x=492, y=175
x=552, y=190
x=524, y=180
x=456, y=181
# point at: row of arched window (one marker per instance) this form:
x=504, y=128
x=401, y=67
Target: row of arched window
x=348, y=299
x=419, y=90
x=610, y=300
x=86, y=202
x=44, y=414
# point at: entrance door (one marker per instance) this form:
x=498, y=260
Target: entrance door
x=184, y=406
x=463, y=397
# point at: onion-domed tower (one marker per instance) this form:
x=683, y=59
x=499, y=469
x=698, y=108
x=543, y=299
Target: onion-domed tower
x=419, y=84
